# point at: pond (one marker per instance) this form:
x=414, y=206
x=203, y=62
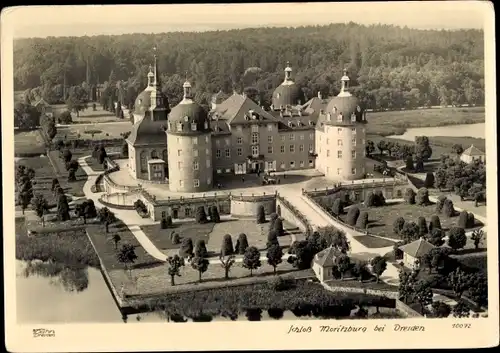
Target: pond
x=466, y=130
x=49, y=293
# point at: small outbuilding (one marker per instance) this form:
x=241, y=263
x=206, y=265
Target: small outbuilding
x=472, y=154
x=414, y=251
x=324, y=262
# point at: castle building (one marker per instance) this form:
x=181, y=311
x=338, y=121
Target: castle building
x=238, y=136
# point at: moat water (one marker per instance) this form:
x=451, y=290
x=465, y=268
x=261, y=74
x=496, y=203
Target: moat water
x=465, y=130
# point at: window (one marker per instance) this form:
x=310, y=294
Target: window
x=269, y=139
x=310, y=163
x=328, y=153
x=255, y=138
x=339, y=154
x=217, y=142
x=353, y=171
x=228, y=170
x=270, y=149
x=353, y=130
x=311, y=148
x=179, y=165
x=292, y=148
x=353, y=154
x=339, y=142
x=301, y=148
x=301, y=136
x=187, y=212
x=354, y=141
x=353, y=117
x=219, y=171
x=255, y=128
x=228, y=153
x=282, y=165
x=239, y=151
x=208, y=163
x=339, y=171
x=163, y=214
x=269, y=127
x=339, y=117
x=339, y=130
x=196, y=165
x=227, y=142
x=283, y=138
x=282, y=149
x=179, y=152
x=196, y=183
x=292, y=164
x=255, y=151
x=195, y=153
x=292, y=137
x=193, y=126
x=195, y=140
x=239, y=140
x=179, y=126
x=207, y=151
x=207, y=139
x=217, y=154
x=181, y=183
x=301, y=164
x=311, y=136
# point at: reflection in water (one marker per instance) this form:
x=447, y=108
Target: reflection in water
x=71, y=279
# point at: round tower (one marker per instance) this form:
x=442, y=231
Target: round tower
x=341, y=136
x=189, y=146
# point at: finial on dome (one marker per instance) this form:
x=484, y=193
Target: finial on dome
x=288, y=71
x=345, y=83
x=187, y=88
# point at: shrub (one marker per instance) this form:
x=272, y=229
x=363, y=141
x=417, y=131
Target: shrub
x=169, y=221
x=279, y=283
x=434, y=223
x=422, y=197
x=362, y=221
x=379, y=198
x=462, y=219
x=186, y=249
x=272, y=218
x=200, y=249
x=422, y=226
x=140, y=207
x=352, y=215
x=272, y=238
x=409, y=196
x=163, y=223
x=338, y=207
x=201, y=216
x=65, y=117
x=278, y=227
x=261, y=215
x=457, y=238
x=448, y=208
x=369, y=200
x=410, y=232
x=227, y=246
x=214, y=214
x=398, y=225
x=436, y=237
x=439, y=204
x=176, y=239
x=398, y=253
x=409, y=163
x=471, y=221
x=241, y=244
x=429, y=180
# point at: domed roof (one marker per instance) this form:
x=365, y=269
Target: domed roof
x=288, y=93
x=188, y=116
x=143, y=101
x=147, y=132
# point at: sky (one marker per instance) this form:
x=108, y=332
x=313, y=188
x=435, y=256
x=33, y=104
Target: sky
x=43, y=21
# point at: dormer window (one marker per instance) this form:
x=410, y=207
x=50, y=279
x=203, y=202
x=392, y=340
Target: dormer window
x=179, y=126
x=339, y=117
x=334, y=110
x=311, y=123
x=358, y=108
x=169, y=126
x=140, y=101
x=290, y=124
x=353, y=117
x=193, y=126
x=278, y=95
x=186, y=118
x=206, y=124
x=321, y=111
x=329, y=117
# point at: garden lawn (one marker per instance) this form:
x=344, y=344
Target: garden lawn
x=396, y=122
x=381, y=219
x=44, y=173
x=94, y=164
x=74, y=188
x=28, y=143
x=161, y=237
x=373, y=242
x=102, y=131
x=89, y=116
x=105, y=246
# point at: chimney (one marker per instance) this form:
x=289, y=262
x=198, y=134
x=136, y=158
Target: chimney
x=319, y=95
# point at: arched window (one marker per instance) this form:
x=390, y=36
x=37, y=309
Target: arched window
x=144, y=162
x=154, y=155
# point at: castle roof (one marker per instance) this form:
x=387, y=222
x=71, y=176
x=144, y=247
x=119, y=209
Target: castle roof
x=148, y=132
x=326, y=257
x=239, y=109
x=418, y=248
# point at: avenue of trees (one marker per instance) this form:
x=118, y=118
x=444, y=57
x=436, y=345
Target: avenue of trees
x=390, y=67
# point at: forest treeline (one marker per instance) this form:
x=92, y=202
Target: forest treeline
x=390, y=67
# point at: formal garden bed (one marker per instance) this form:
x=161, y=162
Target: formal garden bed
x=75, y=187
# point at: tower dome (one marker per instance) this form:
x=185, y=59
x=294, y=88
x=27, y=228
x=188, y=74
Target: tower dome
x=288, y=93
x=142, y=103
x=345, y=106
x=188, y=116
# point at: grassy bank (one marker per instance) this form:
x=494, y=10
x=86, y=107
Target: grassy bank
x=301, y=297
x=396, y=122
x=70, y=248
x=74, y=188
x=28, y=142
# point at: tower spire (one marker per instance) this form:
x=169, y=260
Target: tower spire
x=156, y=71
x=344, y=89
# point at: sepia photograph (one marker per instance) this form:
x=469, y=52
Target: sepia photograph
x=319, y=168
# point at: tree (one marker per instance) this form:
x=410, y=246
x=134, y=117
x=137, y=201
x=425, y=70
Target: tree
x=72, y=168
x=422, y=147
x=200, y=250
x=176, y=239
x=457, y=238
x=331, y=236
x=459, y=281
x=126, y=255
x=379, y=265
x=410, y=166
x=41, y=206
x=116, y=239
x=441, y=309
x=362, y=221
x=359, y=269
x=80, y=212
x=241, y=244
x=433, y=258
x=429, y=180
x=26, y=116
x=370, y=148
x=409, y=196
x=226, y=263
x=214, y=214
x=274, y=256
x=477, y=237
x=436, y=237
x=175, y=263
x=440, y=203
x=343, y=264
x=201, y=216
x=423, y=294
x=471, y=221
x=410, y=232
x=461, y=310
x=478, y=288
x=369, y=200
x=278, y=227
x=227, y=246
x=352, y=215
x=107, y=217
x=422, y=197
x=434, y=223
x=407, y=283
x=102, y=155
x=89, y=209
x=419, y=165
x=379, y=198
x=251, y=259
x=200, y=264
x=422, y=226
x=302, y=254
x=457, y=149
x=272, y=218
x=338, y=207
x=261, y=215
x=163, y=223
x=62, y=208
x=448, y=208
x=462, y=219
x=65, y=117
x=272, y=238
x=76, y=100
